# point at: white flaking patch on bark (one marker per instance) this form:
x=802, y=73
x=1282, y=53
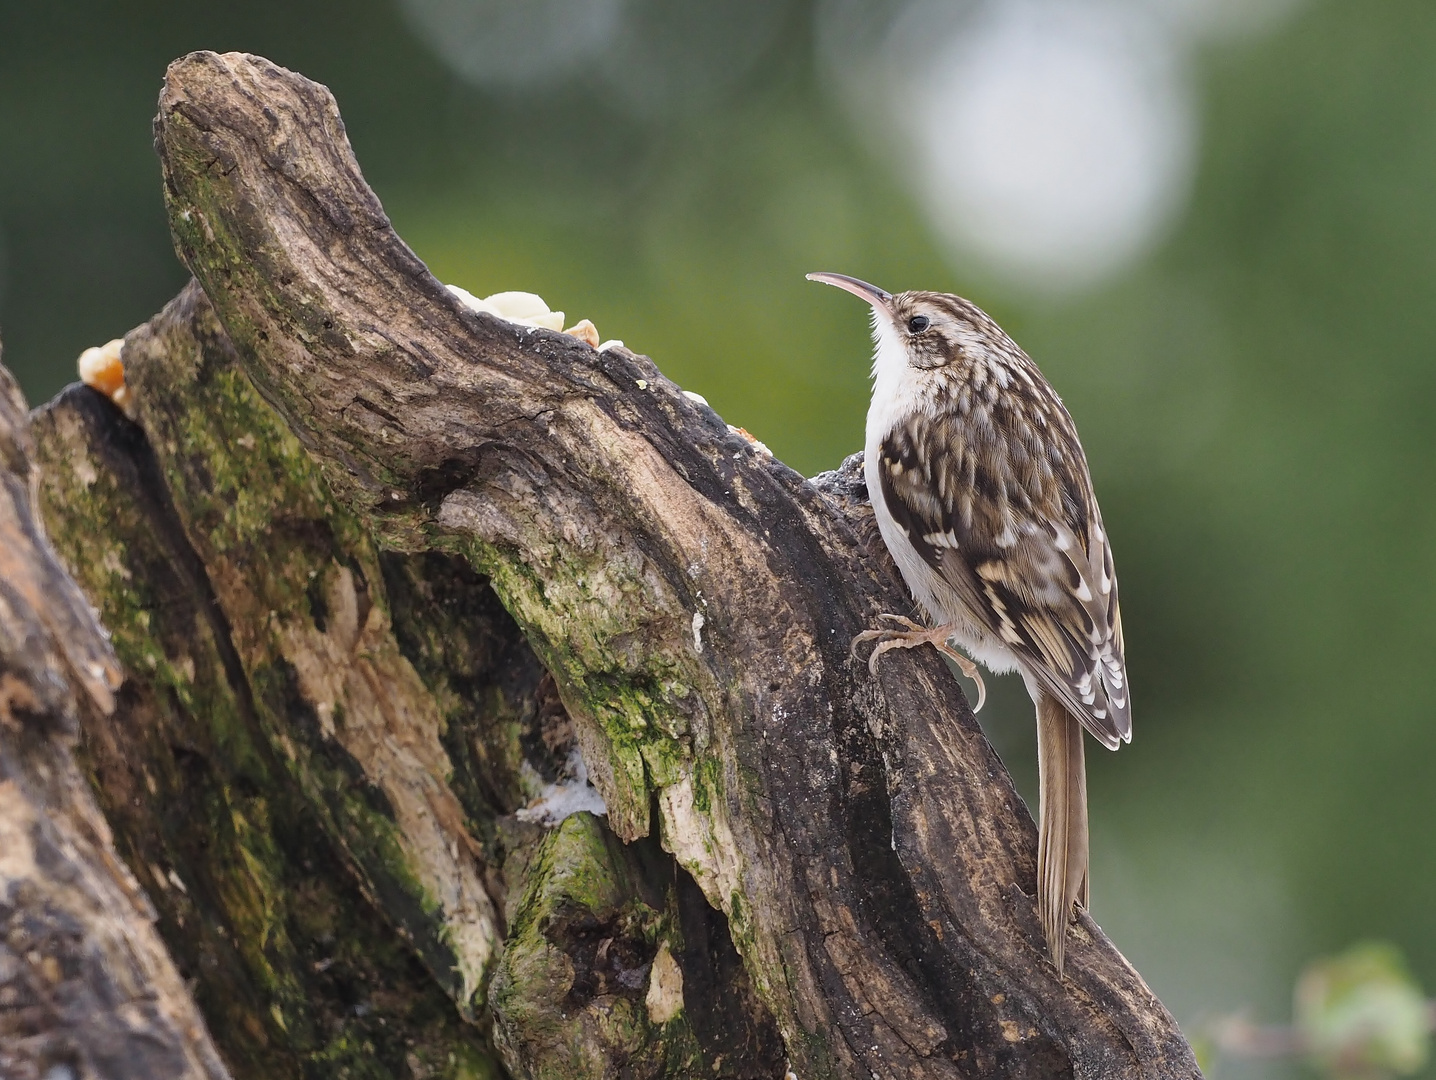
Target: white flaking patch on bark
x=698, y=631
x=702, y=842
x=665, y=987
x=566, y=798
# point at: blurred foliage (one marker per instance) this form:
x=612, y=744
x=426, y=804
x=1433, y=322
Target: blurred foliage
x=1361, y=1015
x=1256, y=398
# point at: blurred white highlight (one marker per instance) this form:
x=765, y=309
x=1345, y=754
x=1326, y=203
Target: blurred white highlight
x=1050, y=141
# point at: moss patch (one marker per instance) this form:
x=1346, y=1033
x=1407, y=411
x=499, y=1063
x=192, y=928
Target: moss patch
x=570, y=996
x=295, y=969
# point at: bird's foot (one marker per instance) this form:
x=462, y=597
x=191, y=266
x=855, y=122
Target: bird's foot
x=911, y=636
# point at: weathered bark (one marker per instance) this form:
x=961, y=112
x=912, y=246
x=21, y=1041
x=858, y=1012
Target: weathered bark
x=328, y=725
x=86, y=986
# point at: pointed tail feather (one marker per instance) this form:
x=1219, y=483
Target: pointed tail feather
x=1062, y=831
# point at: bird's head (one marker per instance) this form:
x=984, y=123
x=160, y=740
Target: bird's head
x=932, y=329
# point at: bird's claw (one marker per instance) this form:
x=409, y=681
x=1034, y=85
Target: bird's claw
x=968, y=668
x=910, y=637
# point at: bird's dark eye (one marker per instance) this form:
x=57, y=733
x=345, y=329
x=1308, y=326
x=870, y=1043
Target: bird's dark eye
x=918, y=323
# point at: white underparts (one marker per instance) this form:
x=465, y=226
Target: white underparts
x=898, y=392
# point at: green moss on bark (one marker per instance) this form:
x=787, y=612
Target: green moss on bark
x=300, y=586
x=639, y=706
x=572, y=994
x=295, y=969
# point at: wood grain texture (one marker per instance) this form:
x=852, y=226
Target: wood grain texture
x=87, y=988
x=693, y=599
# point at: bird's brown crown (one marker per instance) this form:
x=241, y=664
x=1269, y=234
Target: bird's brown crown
x=938, y=329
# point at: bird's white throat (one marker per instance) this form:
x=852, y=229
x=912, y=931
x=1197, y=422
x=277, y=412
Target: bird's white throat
x=895, y=389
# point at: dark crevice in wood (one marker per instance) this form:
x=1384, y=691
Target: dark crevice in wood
x=732, y=1023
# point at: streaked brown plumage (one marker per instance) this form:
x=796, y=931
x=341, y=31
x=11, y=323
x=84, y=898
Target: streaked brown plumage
x=982, y=494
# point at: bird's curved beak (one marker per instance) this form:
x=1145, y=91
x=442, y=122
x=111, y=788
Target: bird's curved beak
x=880, y=300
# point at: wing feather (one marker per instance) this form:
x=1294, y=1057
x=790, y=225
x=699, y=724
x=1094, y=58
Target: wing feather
x=1018, y=538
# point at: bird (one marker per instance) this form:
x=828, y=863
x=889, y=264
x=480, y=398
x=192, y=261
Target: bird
x=983, y=496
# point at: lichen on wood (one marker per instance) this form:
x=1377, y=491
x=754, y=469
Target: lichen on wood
x=272, y=841
x=601, y=935
x=313, y=635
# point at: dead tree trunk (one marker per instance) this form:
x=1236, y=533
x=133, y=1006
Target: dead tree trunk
x=376, y=567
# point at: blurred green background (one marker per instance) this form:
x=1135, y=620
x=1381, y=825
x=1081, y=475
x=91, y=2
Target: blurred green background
x=1254, y=379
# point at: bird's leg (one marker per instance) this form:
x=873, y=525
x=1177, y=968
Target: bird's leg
x=910, y=637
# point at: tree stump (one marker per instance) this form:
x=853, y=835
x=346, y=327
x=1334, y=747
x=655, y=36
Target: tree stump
x=380, y=572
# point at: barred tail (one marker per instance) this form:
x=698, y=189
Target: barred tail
x=1062, y=830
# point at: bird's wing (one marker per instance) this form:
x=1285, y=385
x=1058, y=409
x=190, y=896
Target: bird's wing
x=1008, y=519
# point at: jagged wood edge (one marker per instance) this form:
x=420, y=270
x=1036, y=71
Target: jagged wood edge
x=693, y=599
